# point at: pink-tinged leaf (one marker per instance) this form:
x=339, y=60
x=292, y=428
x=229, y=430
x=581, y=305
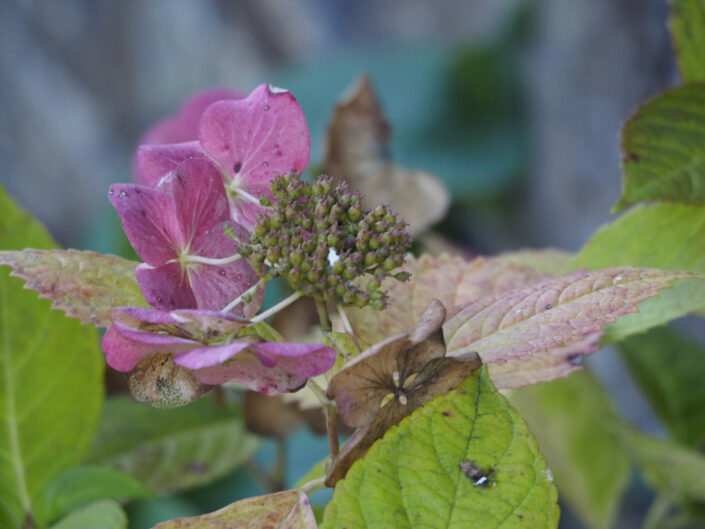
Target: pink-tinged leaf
x=201, y=204
x=557, y=317
x=86, y=285
x=284, y=367
x=452, y=280
x=125, y=347
x=149, y=220
x=184, y=125
x=166, y=287
x=283, y=510
x=214, y=287
x=256, y=138
x=156, y=161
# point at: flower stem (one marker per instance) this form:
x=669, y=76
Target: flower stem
x=348, y=328
x=323, y=315
x=332, y=430
x=313, y=485
x=250, y=291
x=276, y=308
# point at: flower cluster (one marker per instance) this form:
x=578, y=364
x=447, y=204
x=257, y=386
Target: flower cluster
x=317, y=236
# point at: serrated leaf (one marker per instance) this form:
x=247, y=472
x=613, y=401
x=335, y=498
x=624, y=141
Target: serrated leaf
x=667, y=466
x=105, y=514
x=452, y=280
x=284, y=510
x=168, y=450
x=552, y=261
x=670, y=370
x=357, y=151
x=687, y=25
x=663, y=149
x=83, y=485
x=428, y=471
x=84, y=284
x=666, y=236
x=576, y=426
x=550, y=324
x=51, y=381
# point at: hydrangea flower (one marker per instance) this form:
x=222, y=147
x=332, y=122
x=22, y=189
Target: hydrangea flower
x=178, y=230
x=183, y=126
x=251, y=140
x=206, y=343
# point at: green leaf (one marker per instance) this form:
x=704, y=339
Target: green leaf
x=687, y=24
x=666, y=236
x=105, y=514
x=428, y=471
x=670, y=370
x=663, y=149
x=84, y=284
x=283, y=510
x=51, y=381
x=539, y=332
x=574, y=422
x=317, y=471
x=667, y=466
x=173, y=449
x=83, y=485
x=263, y=329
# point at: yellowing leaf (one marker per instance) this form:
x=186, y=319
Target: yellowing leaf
x=663, y=149
x=687, y=24
x=466, y=459
x=551, y=323
x=284, y=510
x=84, y=284
x=577, y=429
x=51, y=382
x=357, y=151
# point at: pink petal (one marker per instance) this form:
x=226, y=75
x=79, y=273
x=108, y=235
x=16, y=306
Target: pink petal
x=256, y=138
x=149, y=220
x=209, y=356
x=124, y=347
x=184, y=125
x=214, y=287
x=306, y=360
x=166, y=287
x=134, y=316
x=201, y=203
x=155, y=161
x=247, y=369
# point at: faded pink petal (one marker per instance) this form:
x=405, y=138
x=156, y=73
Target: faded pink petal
x=149, y=220
x=184, y=125
x=214, y=287
x=201, y=206
x=209, y=356
x=155, y=161
x=256, y=138
x=125, y=347
x=166, y=287
x=248, y=370
x=307, y=360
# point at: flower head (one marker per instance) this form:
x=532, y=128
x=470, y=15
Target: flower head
x=178, y=230
x=250, y=140
x=319, y=239
x=209, y=345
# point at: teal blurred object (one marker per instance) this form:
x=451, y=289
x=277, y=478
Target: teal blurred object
x=454, y=111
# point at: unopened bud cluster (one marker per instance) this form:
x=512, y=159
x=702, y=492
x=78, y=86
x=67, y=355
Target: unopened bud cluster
x=317, y=236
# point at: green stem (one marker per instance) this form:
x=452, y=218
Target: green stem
x=313, y=485
x=658, y=512
x=323, y=315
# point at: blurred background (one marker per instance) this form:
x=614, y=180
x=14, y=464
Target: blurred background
x=515, y=104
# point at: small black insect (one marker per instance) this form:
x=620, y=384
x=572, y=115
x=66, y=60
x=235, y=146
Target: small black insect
x=476, y=474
